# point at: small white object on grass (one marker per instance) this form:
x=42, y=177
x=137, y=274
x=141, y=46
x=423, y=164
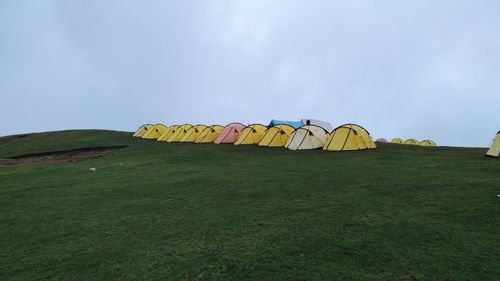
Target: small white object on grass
x=92, y=169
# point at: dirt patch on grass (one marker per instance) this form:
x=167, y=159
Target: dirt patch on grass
x=60, y=157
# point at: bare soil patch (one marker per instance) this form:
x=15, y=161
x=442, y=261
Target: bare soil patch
x=59, y=157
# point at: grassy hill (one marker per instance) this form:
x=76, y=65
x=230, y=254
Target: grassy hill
x=158, y=211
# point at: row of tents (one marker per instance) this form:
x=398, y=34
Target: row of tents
x=408, y=141
x=493, y=150
x=293, y=135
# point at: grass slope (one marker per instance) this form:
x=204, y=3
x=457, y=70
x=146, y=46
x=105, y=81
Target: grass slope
x=158, y=211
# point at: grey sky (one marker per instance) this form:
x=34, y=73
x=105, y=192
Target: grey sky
x=415, y=68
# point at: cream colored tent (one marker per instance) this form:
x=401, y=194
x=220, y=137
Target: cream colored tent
x=209, y=134
x=277, y=136
x=193, y=133
x=155, y=132
x=307, y=137
x=494, y=150
x=427, y=143
x=251, y=134
x=323, y=124
x=349, y=137
x=142, y=130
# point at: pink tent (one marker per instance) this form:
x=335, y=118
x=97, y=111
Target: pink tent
x=381, y=140
x=230, y=134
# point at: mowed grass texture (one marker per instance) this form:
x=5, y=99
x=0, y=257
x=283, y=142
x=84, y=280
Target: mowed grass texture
x=178, y=211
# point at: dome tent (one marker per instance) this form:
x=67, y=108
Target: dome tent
x=294, y=124
x=427, y=143
x=251, y=134
x=277, y=136
x=397, y=141
x=381, y=140
x=193, y=133
x=209, y=134
x=168, y=133
x=155, y=132
x=230, y=133
x=349, y=137
x=142, y=130
x=307, y=137
x=179, y=132
x=412, y=142
x=494, y=150
x=323, y=124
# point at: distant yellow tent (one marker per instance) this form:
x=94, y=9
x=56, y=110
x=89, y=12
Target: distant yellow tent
x=209, y=134
x=139, y=130
x=155, y=132
x=427, y=143
x=142, y=130
x=193, y=133
x=307, y=137
x=277, y=136
x=349, y=137
x=494, y=150
x=412, y=142
x=251, y=134
x=178, y=133
x=168, y=133
x=397, y=141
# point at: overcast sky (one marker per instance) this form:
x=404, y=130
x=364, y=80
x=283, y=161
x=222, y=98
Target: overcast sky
x=414, y=68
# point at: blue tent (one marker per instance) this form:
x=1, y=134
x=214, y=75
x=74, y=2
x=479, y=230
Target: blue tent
x=295, y=124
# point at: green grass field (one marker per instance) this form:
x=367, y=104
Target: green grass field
x=160, y=211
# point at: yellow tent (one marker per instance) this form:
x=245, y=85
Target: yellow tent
x=168, y=133
x=251, y=134
x=179, y=132
x=209, y=134
x=427, y=143
x=155, y=132
x=139, y=130
x=494, y=150
x=142, y=130
x=307, y=137
x=412, y=142
x=277, y=136
x=349, y=137
x=363, y=133
x=397, y=141
x=193, y=133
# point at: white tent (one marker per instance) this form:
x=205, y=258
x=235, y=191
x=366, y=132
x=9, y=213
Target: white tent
x=323, y=124
x=307, y=137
